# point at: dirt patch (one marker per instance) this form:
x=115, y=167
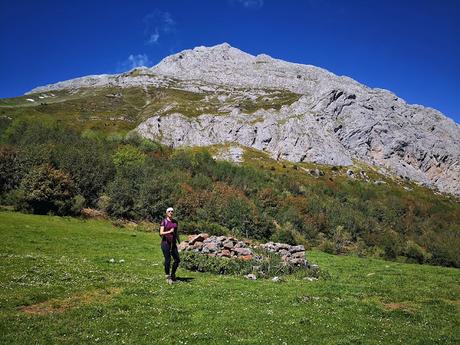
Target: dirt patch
x=398, y=306
x=61, y=305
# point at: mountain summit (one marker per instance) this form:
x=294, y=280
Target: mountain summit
x=294, y=112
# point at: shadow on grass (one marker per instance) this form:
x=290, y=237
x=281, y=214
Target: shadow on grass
x=184, y=279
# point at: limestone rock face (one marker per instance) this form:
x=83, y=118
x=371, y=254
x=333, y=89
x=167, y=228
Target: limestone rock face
x=334, y=120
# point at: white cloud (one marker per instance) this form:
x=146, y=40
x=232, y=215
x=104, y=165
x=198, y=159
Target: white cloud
x=250, y=3
x=133, y=61
x=156, y=24
x=154, y=37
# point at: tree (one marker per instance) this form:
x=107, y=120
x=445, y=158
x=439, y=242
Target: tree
x=90, y=166
x=47, y=190
x=128, y=158
x=10, y=168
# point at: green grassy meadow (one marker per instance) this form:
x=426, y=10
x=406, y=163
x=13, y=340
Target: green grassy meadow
x=58, y=286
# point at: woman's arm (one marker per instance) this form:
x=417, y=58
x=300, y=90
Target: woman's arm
x=163, y=232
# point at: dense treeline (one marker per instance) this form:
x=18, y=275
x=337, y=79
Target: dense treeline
x=46, y=168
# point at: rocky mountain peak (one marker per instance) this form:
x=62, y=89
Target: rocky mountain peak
x=294, y=112
x=221, y=54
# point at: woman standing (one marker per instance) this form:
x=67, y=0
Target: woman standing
x=169, y=240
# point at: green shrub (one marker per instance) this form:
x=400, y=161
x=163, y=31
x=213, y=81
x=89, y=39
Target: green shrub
x=443, y=245
x=269, y=265
x=47, y=190
x=392, y=246
x=122, y=192
x=288, y=234
x=157, y=191
x=11, y=169
x=128, y=158
x=103, y=202
x=341, y=240
x=90, y=166
x=327, y=246
x=217, y=265
x=415, y=253
x=78, y=203
x=194, y=227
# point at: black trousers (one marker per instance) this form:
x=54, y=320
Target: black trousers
x=170, y=249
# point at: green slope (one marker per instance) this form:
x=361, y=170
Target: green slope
x=115, y=109
x=58, y=286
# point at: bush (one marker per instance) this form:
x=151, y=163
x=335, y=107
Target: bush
x=47, y=190
x=78, y=204
x=341, y=240
x=288, y=234
x=416, y=253
x=327, y=246
x=194, y=227
x=269, y=265
x=443, y=246
x=128, y=158
x=11, y=170
x=392, y=245
x=157, y=191
x=90, y=167
x=121, y=193
x=217, y=265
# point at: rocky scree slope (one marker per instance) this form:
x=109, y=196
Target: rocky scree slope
x=333, y=120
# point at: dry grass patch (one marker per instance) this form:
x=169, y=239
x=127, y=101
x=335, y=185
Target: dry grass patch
x=393, y=306
x=59, y=305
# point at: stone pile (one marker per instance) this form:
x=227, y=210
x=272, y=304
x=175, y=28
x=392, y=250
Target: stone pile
x=222, y=246
x=292, y=254
x=230, y=247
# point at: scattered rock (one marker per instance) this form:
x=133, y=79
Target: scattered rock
x=228, y=244
x=198, y=245
x=314, y=267
x=242, y=251
x=212, y=247
x=290, y=254
x=198, y=238
x=298, y=255
x=246, y=257
x=295, y=249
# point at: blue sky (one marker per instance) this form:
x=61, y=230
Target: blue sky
x=411, y=47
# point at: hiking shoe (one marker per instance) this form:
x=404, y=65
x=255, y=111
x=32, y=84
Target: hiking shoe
x=169, y=280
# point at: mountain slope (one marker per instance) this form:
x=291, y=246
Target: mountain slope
x=294, y=112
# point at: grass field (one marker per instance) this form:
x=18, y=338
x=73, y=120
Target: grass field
x=58, y=286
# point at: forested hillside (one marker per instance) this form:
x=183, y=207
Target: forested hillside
x=47, y=167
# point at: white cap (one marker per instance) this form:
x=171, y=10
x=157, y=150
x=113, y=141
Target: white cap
x=169, y=209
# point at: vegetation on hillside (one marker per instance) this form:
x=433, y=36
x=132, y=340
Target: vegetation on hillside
x=110, y=111
x=46, y=167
